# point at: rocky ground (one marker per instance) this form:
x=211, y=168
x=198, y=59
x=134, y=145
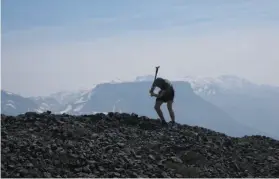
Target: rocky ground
x=127, y=145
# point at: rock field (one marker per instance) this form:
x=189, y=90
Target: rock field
x=127, y=145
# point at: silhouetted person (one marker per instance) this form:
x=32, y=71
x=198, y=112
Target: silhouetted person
x=166, y=95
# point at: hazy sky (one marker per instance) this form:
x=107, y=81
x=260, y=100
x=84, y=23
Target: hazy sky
x=53, y=45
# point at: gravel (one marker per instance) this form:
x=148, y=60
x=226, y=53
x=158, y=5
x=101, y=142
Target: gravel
x=127, y=145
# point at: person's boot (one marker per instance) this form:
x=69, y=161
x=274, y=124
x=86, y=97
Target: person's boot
x=164, y=123
x=172, y=124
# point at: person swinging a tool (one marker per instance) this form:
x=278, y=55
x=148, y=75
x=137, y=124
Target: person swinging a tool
x=166, y=95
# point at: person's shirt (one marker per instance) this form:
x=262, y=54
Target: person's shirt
x=161, y=83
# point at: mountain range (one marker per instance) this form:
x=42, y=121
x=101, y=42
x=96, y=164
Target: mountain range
x=226, y=104
x=256, y=106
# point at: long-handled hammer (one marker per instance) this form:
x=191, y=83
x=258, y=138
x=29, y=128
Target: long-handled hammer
x=156, y=72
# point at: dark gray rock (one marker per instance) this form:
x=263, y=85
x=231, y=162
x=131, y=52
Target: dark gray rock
x=127, y=145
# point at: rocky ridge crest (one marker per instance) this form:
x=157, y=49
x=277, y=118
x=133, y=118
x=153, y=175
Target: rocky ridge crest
x=127, y=145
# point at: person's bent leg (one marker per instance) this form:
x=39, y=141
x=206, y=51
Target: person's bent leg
x=157, y=108
x=170, y=109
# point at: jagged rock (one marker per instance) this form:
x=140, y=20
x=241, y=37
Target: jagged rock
x=127, y=145
x=176, y=159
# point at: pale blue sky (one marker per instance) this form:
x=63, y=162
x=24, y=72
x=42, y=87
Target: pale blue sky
x=52, y=45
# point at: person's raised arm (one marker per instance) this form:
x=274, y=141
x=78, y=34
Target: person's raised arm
x=151, y=91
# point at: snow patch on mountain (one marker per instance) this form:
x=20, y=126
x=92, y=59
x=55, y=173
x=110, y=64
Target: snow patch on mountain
x=66, y=97
x=44, y=107
x=68, y=109
x=78, y=108
x=85, y=96
x=11, y=102
x=90, y=94
x=208, y=86
x=81, y=100
x=8, y=92
x=60, y=96
x=11, y=105
x=39, y=110
x=211, y=86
